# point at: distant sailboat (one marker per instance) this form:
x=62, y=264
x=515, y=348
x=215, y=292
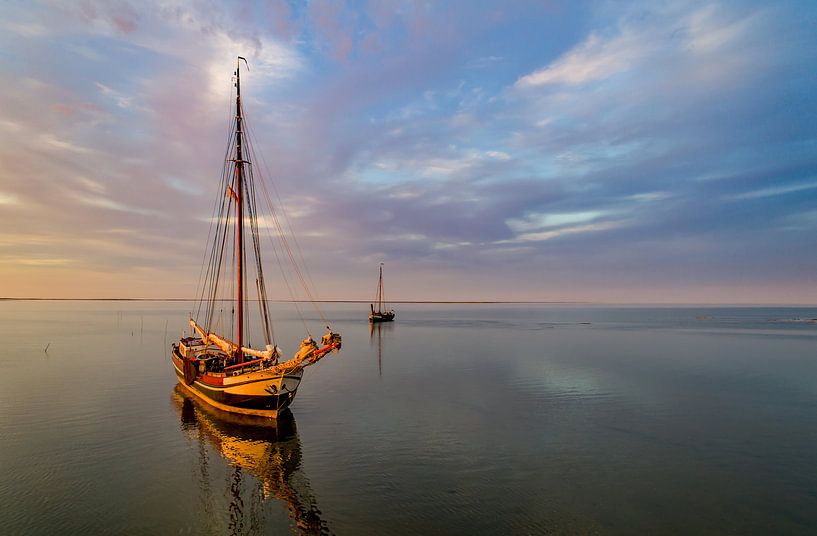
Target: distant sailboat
x=380, y=315
x=217, y=363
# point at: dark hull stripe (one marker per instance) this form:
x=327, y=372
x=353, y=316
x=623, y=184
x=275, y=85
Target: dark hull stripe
x=210, y=386
x=218, y=394
x=279, y=402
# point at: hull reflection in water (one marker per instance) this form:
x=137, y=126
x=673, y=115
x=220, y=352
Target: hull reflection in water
x=270, y=451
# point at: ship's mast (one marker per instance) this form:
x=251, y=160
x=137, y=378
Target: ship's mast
x=239, y=192
x=380, y=290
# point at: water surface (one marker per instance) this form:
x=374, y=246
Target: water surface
x=463, y=419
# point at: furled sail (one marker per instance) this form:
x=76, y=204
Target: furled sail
x=231, y=347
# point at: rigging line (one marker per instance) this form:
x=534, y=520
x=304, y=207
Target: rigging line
x=268, y=323
x=294, y=263
x=219, y=203
x=261, y=309
x=377, y=296
x=219, y=325
x=305, y=282
x=200, y=285
x=285, y=217
x=234, y=279
x=230, y=127
x=233, y=270
x=262, y=296
x=383, y=301
x=245, y=296
x=231, y=118
x=250, y=148
x=219, y=245
x=289, y=286
x=245, y=290
x=260, y=281
x=214, y=266
x=296, y=268
x=241, y=192
x=287, y=283
x=224, y=221
x=214, y=274
x=218, y=263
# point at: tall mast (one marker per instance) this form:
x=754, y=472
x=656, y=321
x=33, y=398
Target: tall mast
x=239, y=192
x=380, y=290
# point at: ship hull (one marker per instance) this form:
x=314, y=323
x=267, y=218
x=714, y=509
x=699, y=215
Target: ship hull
x=381, y=317
x=260, y=393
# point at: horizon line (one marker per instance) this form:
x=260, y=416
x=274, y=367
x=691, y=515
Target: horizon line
x=473, y=302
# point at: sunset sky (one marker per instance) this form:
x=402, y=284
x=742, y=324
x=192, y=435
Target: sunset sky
x=655, y=151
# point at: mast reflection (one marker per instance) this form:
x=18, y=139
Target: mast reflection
x=376, y=330
x=270, y=451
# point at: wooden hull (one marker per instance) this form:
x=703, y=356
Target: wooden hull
x=381, y=317
x=259, y=393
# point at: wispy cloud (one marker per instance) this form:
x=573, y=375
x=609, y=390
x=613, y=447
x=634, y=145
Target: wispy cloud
x=540, y=236
x=774, y=191
x=8, y=199
x=595, y=59
x=121, y=100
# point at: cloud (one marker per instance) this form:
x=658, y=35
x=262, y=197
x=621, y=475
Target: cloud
x=33, y=261
x=120, y=100
x=8, y=199
x=663, y=144
x=595, y=59
x=563, y=231
x=106, y=203
x=774, y=191
x=62, y=145
x=540, y=221
x=26, y=29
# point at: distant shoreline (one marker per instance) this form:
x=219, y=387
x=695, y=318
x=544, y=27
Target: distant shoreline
x=443, y=302
x=292, y=301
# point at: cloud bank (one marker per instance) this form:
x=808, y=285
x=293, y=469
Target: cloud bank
x=647, y=152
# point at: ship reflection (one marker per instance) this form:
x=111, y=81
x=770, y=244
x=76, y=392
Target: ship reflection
x=376, y=330
x=270, y=451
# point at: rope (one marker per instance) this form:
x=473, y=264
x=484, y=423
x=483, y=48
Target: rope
x=222, y=247
x=306, y=281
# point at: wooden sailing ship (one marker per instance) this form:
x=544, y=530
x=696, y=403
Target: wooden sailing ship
x=380, y=315
x=217, y=362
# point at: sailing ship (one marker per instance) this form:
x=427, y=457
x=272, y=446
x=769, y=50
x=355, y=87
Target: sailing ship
x=380, y=315
x=217, y=362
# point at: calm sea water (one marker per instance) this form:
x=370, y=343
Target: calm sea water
x=456, y=419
